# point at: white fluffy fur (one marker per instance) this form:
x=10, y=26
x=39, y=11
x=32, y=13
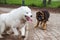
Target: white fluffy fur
x=13, y=20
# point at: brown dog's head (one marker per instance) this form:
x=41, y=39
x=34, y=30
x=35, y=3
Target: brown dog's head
x=40, y=16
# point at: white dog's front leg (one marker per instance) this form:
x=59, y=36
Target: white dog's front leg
x=15, y=31
x=2, y=28
x=23, y=31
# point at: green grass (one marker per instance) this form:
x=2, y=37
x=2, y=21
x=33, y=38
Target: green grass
x=33, y=2
x=14, y=2
x=36, y=3
x=54, y=4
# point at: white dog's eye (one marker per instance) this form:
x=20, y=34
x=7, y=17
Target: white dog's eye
x=26, y=12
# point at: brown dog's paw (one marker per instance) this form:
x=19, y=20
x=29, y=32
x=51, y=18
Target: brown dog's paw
x=35, y=26
x=44, y=28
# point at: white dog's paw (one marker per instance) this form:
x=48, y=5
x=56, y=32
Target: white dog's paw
x=1, y=36
x=23, y=35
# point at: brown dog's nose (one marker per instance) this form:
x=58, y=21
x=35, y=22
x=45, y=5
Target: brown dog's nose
x=31, y=16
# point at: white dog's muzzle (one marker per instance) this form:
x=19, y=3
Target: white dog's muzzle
x=28, y=18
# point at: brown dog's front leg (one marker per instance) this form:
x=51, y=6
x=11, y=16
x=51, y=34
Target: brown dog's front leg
x=44, y=25
x=37, y=24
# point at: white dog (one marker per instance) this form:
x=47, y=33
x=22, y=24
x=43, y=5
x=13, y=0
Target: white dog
x=14, y=19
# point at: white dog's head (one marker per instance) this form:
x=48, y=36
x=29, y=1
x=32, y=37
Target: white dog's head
x=27, y=15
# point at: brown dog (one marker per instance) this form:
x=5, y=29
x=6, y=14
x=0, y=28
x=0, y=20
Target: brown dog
x=42, y=18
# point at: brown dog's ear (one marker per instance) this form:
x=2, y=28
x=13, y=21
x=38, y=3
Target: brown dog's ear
x=42, y=14
x=37, y=13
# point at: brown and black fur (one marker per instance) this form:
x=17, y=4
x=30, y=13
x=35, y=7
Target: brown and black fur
x=42, y=18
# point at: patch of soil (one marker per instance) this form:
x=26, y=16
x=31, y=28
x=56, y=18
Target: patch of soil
x=55, y=10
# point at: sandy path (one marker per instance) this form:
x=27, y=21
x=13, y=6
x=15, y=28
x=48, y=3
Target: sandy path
x=53, y=26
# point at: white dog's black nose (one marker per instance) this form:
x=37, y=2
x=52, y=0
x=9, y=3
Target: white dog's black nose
x=25, y=16
x=31, y=16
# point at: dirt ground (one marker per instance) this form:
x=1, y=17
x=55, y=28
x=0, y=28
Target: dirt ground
x=54, y=20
